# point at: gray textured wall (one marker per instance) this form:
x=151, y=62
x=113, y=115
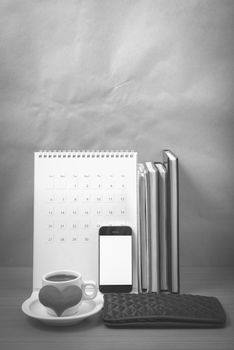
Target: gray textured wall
x=143, y=75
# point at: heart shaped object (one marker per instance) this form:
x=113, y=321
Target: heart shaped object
x=58, y=300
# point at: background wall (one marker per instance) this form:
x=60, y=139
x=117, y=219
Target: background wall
x=143, y=75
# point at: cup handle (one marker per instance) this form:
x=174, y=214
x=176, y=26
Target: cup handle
x=90, y=295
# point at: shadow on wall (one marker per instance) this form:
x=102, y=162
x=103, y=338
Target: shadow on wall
x=205, y=237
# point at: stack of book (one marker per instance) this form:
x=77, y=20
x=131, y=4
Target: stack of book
x=158, y=222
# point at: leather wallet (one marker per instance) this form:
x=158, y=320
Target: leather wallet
x=162, y=310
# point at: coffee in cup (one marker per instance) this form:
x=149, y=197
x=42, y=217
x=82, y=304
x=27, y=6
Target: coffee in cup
x=60, y=277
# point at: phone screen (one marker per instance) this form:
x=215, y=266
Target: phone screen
x=115, y=259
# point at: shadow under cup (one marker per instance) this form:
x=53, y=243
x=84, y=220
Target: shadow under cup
x=62, y=279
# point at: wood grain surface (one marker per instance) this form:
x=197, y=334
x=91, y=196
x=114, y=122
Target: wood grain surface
x=19, y=332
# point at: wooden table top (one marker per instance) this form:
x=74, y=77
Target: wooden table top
x=19, y=332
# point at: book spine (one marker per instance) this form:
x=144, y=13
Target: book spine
x=148, y=232
x=155, y=236
x=145, y=267
x=139, y=230
x=171, y=164
x=142, y=229
x=163, y=226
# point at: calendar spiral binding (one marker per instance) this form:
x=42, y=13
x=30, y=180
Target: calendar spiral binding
x=86, y=154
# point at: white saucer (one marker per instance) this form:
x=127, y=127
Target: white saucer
x=34, y=309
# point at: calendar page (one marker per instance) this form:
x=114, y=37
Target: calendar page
x=75, y=193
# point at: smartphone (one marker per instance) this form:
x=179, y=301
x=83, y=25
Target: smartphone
x=115, y=259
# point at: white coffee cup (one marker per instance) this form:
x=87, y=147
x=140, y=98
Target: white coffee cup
x=50, y=279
